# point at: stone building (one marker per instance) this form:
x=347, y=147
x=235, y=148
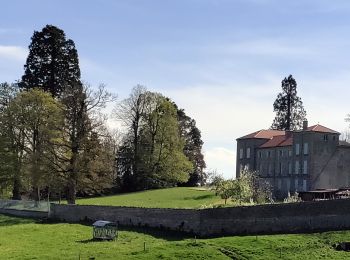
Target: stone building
x=303, y=160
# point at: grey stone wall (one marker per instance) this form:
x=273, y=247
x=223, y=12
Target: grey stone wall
x=186, y=220
x=263, y=219
x=24, y=213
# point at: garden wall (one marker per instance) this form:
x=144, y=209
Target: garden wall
x=24, y=213
x=262, y=219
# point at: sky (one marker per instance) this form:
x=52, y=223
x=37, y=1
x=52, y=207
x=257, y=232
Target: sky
x=221, y=60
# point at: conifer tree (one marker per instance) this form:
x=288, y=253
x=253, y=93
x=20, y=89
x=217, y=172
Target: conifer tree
x=52, y=62
x=289, y=108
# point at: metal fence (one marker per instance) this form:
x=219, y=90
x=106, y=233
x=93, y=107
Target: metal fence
x=25, y=205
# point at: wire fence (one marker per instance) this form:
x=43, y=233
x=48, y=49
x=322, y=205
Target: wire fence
x=25, y=205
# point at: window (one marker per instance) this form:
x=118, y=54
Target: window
x=270, y=169
x=305, y=167
x=290, y=153
x=306, y=148
x=269, y=154
x=261, y=169
x=281, y=168
x=297, y=149
x=296, y=185
x=297, y=167
x=289, y=168
x=279, y=184
x=241, y=153
x=260, y=154
x=325, y=137
x=240, y=167
x=288, y=185
x=333, y=137
x=248, y=152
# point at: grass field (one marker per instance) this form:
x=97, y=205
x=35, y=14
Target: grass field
x=25, y=239
x=181, y=197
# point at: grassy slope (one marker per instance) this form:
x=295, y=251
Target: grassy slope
x=181, y=197
x=25, y=239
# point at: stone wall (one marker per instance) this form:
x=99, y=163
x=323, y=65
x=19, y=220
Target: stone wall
x=24, y=213
x=186, y=220
x=263, y=219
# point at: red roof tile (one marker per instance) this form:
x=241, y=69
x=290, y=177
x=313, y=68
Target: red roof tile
x=322, y=129
x=278, y=141
x=263, y=134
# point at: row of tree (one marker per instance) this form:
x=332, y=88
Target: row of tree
x=54, y=138
x=56, y=145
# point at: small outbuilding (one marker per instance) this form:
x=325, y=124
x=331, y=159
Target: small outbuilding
x=105, y=230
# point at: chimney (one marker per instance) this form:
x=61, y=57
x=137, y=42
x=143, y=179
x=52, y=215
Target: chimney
x=305, y=125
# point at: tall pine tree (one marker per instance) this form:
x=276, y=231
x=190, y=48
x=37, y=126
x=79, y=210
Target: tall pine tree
x=289, y=108
x=52, y=62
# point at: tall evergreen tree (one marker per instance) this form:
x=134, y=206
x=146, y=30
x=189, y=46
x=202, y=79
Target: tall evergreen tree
x=289, y=108
x=52, y=63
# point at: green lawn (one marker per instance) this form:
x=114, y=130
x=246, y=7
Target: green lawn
x=181, y=197
x=25, y=239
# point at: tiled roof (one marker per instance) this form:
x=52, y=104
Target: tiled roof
x=276, y=138
x=263, y=134
x=275, y=141
x=322, y=129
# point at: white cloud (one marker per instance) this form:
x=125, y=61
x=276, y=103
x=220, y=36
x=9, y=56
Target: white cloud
x=16, y=53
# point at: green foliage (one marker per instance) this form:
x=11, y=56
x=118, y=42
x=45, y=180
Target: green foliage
x=226, y=189
x=98, y=163
x=192, y=147
x=52, y=63
x=9, y=144
x=37, y=120
x=289, y=109
x=152, y=152
x=247, y=188
x=162, y=146
x=243, y=187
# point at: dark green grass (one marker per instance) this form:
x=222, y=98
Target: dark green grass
x=26, y=239
x=181, y=197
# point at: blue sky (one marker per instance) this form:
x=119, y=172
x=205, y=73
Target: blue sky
x=220, y=60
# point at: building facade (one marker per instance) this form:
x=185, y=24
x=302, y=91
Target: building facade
x=294, y=161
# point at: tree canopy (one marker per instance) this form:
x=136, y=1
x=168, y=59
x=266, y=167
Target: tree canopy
x=289, y=108
x=153, y=151
x=52, y=63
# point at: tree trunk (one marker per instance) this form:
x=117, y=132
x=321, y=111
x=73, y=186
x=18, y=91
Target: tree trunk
x=71, y=192
x=16, y=191
x=36, y=195
x=72, y=181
